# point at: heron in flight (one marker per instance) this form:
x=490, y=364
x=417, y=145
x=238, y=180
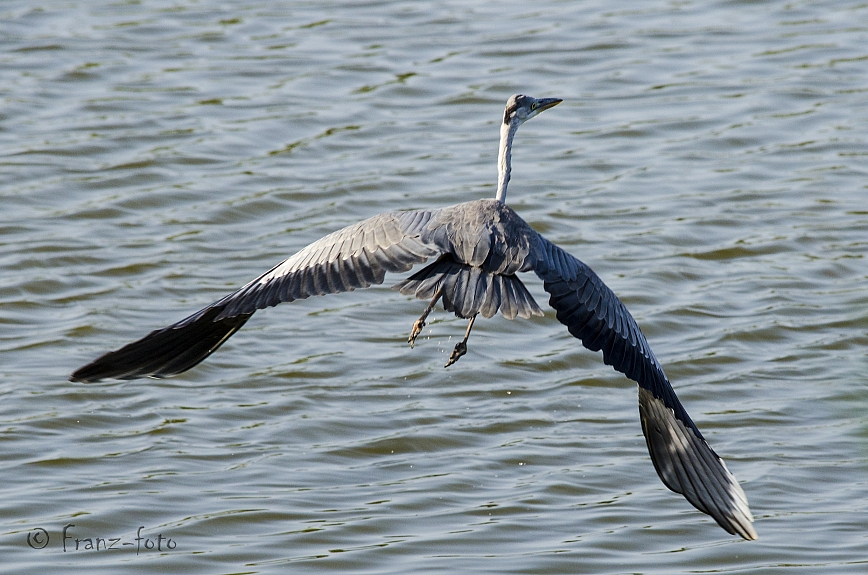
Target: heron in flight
x=479, y=246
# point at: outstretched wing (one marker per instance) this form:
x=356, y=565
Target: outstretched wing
x=357, y=256
x=683, y=459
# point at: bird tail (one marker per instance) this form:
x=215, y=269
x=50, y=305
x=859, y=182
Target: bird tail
x=468, y=290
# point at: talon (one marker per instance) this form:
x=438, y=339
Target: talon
x=460, y=349
x=420, y=323
x=414, y=333
x=461, y=346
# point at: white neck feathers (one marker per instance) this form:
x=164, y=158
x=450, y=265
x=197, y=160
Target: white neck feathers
x=504, y=157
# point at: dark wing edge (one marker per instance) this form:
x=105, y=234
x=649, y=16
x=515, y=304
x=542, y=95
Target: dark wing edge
x=683, y=459
x=357, y=256
x=164, y=352
x=688, y=465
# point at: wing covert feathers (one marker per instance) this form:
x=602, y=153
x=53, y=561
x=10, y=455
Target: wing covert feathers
x=354, y=257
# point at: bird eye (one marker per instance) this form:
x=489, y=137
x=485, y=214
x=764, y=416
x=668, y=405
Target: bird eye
x=534, y=106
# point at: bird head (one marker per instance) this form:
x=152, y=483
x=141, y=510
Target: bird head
x=521, y=108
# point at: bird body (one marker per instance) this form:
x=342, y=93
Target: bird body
x=479, y=247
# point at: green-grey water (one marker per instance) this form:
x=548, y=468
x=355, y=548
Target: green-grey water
x=708, y=161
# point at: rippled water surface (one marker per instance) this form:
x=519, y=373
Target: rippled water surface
x=710, y=162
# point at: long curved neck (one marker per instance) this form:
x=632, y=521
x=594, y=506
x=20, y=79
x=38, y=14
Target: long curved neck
x=504, y=158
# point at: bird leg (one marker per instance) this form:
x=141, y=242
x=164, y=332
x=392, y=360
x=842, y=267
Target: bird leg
x=461, y=346
x=420, y=323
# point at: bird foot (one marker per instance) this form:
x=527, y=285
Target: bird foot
x=460, y=349
x=414, y=333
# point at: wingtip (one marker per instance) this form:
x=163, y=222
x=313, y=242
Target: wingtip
x=688, y=465
x=749, y=533
x=741, y=525
x=95, y=371
x=80, y=375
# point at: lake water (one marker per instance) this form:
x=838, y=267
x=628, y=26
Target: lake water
x=710, y=162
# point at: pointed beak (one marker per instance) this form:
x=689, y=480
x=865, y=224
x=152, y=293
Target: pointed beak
x=546, y=103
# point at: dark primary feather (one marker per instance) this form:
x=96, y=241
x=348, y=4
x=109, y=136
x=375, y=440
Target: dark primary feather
x=166, y=351
x=687, y=465
x=683, y=459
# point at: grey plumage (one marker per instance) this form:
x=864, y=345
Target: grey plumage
x=480, y=246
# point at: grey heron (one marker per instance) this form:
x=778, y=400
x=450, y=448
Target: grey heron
x=479, y=247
